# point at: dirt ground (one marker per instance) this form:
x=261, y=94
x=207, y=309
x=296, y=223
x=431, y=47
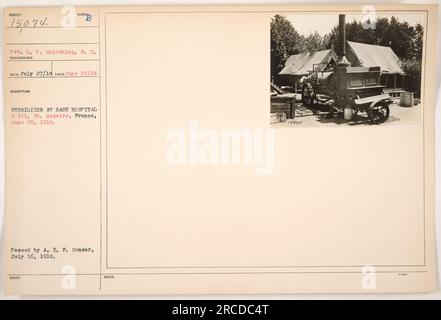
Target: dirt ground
x=399, y=116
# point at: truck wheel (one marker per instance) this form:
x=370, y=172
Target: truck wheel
x=379, y=113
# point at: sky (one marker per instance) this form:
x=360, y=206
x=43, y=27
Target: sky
x=323, y=23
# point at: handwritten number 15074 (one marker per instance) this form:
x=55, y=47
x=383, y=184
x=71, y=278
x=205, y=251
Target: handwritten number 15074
x=28, y=23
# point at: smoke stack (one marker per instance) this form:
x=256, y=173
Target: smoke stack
x=342, y=61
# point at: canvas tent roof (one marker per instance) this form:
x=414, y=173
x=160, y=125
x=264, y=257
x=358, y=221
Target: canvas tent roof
x=366, y=55
x=370, y=55
x=300, y=64
x=294, y=62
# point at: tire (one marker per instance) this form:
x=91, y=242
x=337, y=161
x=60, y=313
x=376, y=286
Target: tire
x=379, y=113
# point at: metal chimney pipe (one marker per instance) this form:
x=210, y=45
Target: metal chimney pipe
x=342, y=61
x=342, y=35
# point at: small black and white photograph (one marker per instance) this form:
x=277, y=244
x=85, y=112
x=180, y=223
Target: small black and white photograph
x=346, y=69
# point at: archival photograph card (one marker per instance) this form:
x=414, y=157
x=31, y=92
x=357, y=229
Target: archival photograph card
x=219, y=150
